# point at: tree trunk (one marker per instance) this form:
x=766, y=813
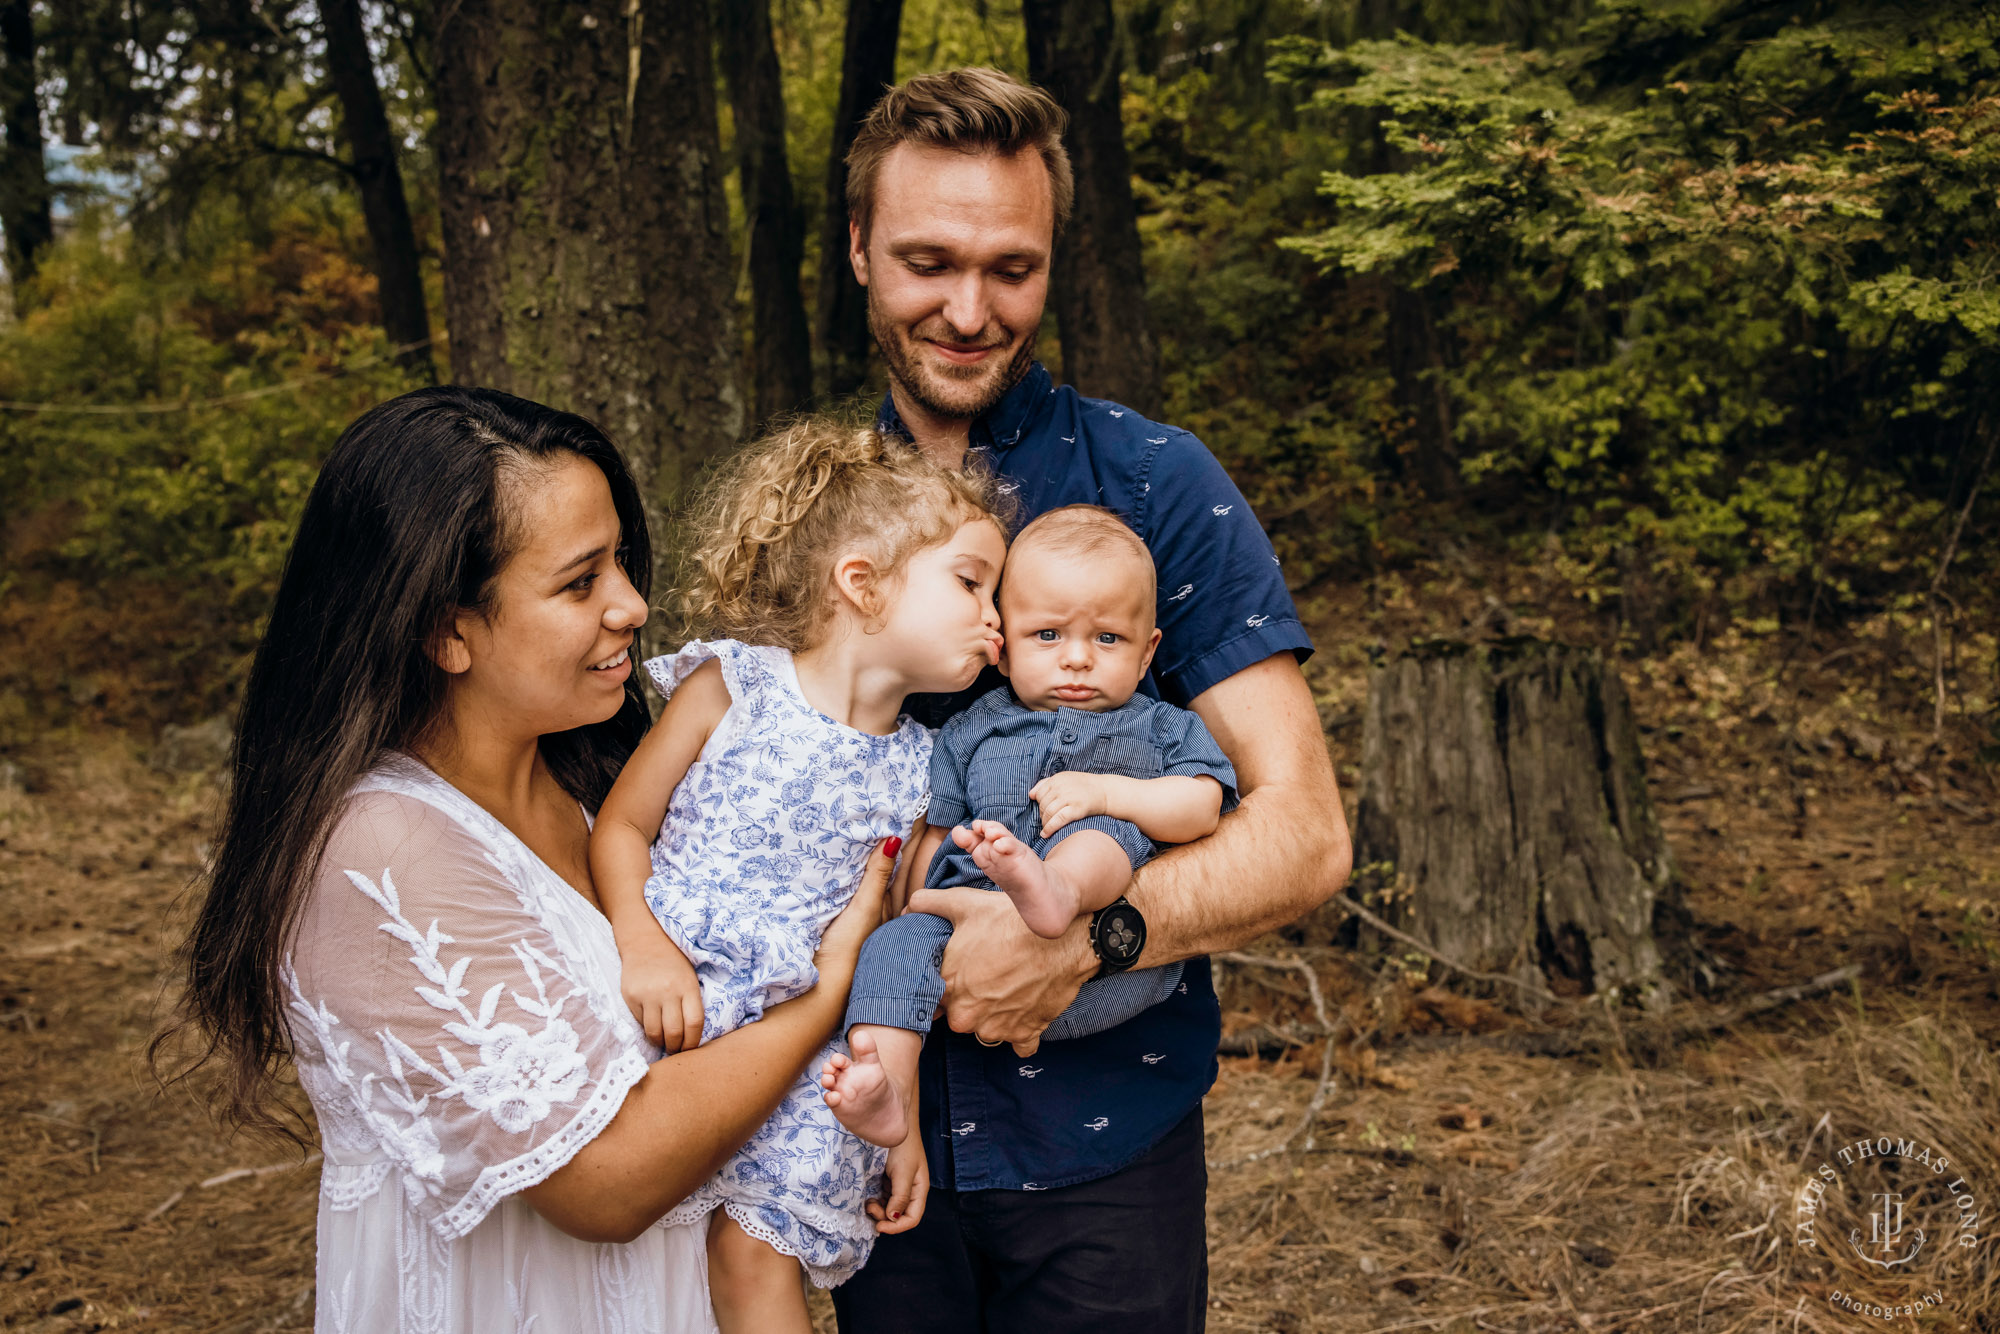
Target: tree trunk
x=1504, y=797
x=781, y=345
x=1098, y=283
x=586, y=234
x=1416, y=355
x=365, y=125
x=867, y=69
x=24, y=181
x=1416, y=364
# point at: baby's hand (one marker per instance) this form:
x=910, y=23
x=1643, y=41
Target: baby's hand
x=665, y=995
x=1066, y=798
x=908, y=1185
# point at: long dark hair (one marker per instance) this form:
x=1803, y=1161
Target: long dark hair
x=406, y=527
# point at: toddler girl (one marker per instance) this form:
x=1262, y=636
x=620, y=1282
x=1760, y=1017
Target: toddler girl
x=844, y=572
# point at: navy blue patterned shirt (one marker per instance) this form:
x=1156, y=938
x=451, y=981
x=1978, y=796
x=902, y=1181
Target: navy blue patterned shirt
x=1082, y=1109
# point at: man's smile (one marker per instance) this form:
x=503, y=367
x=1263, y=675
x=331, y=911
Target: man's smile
x=959, y=354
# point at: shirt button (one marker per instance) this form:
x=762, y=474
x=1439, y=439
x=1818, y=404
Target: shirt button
x=1055, y=765
x=1068, y=736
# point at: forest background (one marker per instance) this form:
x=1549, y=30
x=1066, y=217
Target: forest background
x=1665, y=327
x=1696, y=301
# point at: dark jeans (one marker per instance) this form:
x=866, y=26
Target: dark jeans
x=1127, y=1252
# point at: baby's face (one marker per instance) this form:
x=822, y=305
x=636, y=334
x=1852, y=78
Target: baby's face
x=1079, y=630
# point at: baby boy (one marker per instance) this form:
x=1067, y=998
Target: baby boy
x=1070, y=780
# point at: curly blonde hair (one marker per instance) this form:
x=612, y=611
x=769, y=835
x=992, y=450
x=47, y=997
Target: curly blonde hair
x=774, y=521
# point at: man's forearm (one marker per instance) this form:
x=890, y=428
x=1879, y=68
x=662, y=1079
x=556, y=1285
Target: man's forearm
x=1281, y=853
x=1261, y=868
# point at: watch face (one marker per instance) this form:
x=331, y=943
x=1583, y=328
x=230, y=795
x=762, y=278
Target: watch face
x=1121, y=934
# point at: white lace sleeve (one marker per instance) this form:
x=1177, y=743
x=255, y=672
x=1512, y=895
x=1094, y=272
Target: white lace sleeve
x=439, y=1027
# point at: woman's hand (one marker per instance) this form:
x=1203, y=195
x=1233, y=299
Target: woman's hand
x=908, y=1185
x=840, y=946
x=681, y=1121
x=660, y=985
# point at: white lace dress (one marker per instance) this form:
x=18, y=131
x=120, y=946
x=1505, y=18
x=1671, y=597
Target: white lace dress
x=764, y=842
x=457, y=1022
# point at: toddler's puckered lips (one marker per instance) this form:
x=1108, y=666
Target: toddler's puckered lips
x=1074, y=694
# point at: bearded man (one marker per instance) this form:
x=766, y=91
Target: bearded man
x=1069, y=1179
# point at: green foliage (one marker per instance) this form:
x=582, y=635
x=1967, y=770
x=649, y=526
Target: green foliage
x=1238, y=320
x=1692, y=303
x=1737, y=315
x=155, y=538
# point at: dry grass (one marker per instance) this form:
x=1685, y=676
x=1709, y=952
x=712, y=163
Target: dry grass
x=91, y=868
x=1486, y=1190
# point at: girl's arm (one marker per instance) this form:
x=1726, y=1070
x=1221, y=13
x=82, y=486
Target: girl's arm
x=680, y=1122
x=658, y=982
x=1178, y=808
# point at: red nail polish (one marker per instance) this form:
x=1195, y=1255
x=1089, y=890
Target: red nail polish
x=891, y=846
x=894, y=1217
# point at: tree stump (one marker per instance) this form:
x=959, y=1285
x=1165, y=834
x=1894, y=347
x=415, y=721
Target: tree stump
x=1503, y=800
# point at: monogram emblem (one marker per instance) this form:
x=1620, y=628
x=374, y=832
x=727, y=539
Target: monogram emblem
x=1885, y=1232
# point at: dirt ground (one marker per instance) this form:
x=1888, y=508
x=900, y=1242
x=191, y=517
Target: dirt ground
x=1457, y=1176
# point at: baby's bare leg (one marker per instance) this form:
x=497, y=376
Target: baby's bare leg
x=1082, y=873
x=752, y=1287
x=872, y=1094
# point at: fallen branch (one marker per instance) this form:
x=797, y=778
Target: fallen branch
x=238, y=1173
x=164, y=1205
x=1649, y=1039
x=1327, y=1026
x=1529, y=988
x=1764, y=1002
x=223, y=1178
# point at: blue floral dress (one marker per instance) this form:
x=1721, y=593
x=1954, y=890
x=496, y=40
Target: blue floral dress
x=764, y=842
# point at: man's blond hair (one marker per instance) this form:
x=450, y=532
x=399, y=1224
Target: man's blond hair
x=976, y=110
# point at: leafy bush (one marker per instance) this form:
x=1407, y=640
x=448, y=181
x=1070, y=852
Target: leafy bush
x=147, y=517
x=1733, y=322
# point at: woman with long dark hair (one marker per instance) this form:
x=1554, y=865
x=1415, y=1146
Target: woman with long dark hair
x=401, y=902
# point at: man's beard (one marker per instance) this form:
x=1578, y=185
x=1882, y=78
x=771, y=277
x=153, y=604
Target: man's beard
x=949, y=391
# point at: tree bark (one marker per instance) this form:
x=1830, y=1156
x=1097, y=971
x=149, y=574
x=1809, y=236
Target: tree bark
x=399, y=279
x=840, y=316
x=1098, y=281
x=586, y=234
x=1503, y=797
x=24, y=180
x=1416, y=364
x=781, y=342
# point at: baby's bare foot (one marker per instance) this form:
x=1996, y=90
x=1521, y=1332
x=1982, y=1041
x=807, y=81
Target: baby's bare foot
x=861, y=1094
x=1045, y=900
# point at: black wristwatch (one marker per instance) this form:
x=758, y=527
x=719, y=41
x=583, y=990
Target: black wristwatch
x=1118, y=934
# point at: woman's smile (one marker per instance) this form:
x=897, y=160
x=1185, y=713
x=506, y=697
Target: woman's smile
x=616, y=667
